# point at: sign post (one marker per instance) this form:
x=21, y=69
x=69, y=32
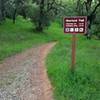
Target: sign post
x=73, y=52
x=74, y=25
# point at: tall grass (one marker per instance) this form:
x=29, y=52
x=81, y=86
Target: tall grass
x=84, y=84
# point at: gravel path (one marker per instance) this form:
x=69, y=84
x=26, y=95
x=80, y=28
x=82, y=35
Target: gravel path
x=24, y=77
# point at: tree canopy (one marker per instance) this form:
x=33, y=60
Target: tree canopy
x=42, y=12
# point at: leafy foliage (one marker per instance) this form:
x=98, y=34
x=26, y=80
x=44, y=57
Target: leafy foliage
x=43, y=12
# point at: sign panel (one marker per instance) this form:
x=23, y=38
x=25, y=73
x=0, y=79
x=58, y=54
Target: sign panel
x=75, y=24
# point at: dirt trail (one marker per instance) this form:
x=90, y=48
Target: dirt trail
x=24, y=77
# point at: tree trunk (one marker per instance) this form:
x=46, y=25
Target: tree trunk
x=23, y=13
x=39, y=27
x=91, y=17
x=2, y=10
x=41, y=15
x=14, y=16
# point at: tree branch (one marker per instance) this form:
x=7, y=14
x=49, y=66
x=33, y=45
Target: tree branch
x=93, y=12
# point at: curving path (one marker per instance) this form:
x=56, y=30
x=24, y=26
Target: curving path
x=24, y=77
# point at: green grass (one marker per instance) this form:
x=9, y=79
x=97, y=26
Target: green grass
x=84, y=84
x=17, y=37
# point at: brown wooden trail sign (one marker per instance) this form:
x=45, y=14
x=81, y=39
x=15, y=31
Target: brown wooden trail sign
x=75, y=25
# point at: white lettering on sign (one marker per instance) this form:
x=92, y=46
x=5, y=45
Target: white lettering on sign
x=75, y=24
x=71, y=29
x=67, y=29
x=81, y=29
x=81, y=20
x=71, y=20
x=76, y=30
